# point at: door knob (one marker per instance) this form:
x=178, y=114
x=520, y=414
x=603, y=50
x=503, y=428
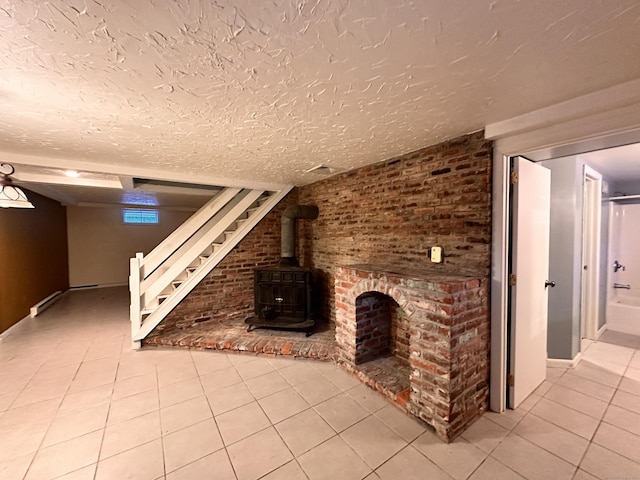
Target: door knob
x=618, y=266
x=548, y=283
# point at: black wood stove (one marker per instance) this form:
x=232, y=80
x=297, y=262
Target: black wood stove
x=282, y=299
x=283, y=295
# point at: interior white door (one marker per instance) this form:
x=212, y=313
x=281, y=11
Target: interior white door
x=530, y=212
x=591, y=218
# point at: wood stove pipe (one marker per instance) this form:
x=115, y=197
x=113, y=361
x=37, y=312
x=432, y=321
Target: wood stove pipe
x=288, y=241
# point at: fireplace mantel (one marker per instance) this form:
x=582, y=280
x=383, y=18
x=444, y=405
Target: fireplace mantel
x=448, y=344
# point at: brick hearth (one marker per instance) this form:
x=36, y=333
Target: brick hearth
x=232, y=335
x=445, y=383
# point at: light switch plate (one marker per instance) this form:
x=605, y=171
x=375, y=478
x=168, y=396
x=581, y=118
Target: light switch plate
x=436, y=254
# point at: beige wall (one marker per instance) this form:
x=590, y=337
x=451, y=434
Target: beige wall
x=100, y=244
x=33, y=255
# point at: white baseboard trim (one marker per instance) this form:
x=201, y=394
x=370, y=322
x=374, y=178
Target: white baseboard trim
x=35, y=310
x=42, y=305
x=601, y=331
x=102, y=285
x=563, y=363
x=117, y=284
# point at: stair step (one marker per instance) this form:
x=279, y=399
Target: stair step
x=224, y=237
x=258, y=203
x=146, y=312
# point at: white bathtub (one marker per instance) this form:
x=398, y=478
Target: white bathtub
x=623, y=313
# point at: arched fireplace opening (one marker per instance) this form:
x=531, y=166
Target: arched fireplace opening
x=382, y=328
x=382, y=342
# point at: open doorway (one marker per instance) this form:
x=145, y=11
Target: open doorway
x=619, y=178
x=582, y=185
x=570, y=327
x=580, y=259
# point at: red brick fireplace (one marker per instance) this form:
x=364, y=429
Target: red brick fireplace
x=420, y=338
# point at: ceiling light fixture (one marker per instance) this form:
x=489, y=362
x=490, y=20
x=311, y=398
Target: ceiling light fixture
x=72, y=173
x=11, y=196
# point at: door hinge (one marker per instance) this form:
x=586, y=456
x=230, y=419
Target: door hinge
x=512, y=279
x=510, y=380
x=514, y=177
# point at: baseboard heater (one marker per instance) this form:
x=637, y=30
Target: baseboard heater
x=44, y=304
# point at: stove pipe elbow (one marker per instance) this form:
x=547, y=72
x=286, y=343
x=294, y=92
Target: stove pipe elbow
x=288, y=241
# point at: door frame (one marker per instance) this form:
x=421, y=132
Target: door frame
x=604, y=119
x=591, y=228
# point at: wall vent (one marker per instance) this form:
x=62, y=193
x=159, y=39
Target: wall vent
x=322, y=170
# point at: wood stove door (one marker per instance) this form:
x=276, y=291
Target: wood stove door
x=264, y=298
x=286, y=294
x=291, y=299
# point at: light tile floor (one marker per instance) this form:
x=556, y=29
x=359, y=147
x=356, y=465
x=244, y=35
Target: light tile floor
x=77, y=403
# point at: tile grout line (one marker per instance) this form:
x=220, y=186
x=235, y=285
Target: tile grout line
x=313, y=407
x=495, y=460
x=617, y=389
x=40, y=445
x=274, y=426
x=106, y=420
x=164, y=457
x=295, y=457
x=369, y=414
x=224, y=446
x=513, y=428
x=601, y=420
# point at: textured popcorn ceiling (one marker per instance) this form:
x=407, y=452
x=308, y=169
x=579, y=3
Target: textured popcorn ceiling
x=261, y=90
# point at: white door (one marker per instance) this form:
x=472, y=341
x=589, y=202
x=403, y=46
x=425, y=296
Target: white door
x=590, y=301
x=530, y=210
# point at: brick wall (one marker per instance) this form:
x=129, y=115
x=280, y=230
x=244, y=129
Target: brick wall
x=393, y=211
x=228, y=290
x=390, y=212
x=449, y=338
x=399, y=343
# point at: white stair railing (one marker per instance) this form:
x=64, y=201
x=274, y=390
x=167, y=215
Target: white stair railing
x=135, y=309
x=170, y=244
x=181, y=258
x=159, y=281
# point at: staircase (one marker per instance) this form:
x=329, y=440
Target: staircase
x=160, y=280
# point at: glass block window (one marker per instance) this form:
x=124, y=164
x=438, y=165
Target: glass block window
x=139, y=216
